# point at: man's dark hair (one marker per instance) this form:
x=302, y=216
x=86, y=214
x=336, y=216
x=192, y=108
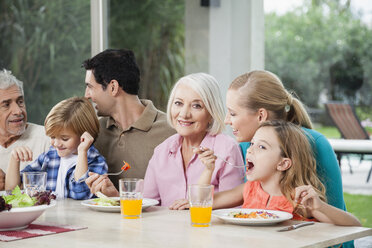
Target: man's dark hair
x=115, y=64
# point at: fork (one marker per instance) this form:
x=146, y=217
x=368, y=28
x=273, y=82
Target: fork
x=114, y=173
x=227, y=162
x=125, y=167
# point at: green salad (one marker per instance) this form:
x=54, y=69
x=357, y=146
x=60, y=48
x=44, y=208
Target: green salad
x=105, y=201
x=17, y=199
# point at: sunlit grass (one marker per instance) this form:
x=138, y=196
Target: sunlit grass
x=329, y=132
x=360, y=206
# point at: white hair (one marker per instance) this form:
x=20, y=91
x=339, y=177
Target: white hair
x=8, y=80
x=208, y=89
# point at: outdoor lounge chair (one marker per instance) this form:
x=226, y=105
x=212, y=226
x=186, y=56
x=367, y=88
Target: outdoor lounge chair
x=345, y=119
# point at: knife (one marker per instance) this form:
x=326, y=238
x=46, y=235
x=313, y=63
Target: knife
x=295, y=226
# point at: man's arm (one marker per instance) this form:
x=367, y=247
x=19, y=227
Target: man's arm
x=2, y=179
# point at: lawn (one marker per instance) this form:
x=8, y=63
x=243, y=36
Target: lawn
x=360, y=206
x=329, y=132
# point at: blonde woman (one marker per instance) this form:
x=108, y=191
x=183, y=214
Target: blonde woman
x=259, y=96
x=72, y=126
x=281, y=173
x=195, y=110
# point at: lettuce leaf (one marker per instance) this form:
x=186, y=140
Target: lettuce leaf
x=19, y=199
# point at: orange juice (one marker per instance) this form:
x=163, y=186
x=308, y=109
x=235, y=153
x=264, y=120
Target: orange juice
x=131, y=208
x=200, y=216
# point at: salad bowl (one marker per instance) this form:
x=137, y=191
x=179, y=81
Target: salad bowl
x=20, y=218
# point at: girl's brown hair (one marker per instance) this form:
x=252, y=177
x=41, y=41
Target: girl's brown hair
x=263, y=89
x=75, y=114
x=295, y=145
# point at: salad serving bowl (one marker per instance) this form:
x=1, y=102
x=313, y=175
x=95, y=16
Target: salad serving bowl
x=20, y=218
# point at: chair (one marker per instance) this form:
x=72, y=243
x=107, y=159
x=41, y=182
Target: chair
x=345, y=119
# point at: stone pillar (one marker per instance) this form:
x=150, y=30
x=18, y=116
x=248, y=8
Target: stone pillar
x=98, y=13
x=225, y=39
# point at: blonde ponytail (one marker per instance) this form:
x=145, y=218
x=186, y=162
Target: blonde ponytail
x=263, y=89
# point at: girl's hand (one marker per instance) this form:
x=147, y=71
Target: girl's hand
x=180, y=205
x=22, y=154
x=308, y=197
x=86, y=141
x=206, y=156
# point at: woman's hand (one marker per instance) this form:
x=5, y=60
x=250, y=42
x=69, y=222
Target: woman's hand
x=86, y=141
x=22, y=154
x=180, y=205
x=207, y=157
x=308, y=197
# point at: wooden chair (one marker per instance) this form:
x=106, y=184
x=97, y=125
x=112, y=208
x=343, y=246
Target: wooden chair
x=347, y=122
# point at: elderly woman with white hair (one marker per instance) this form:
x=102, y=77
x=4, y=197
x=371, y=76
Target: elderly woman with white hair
x=195, y=110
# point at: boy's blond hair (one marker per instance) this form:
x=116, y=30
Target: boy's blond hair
x=75, y=114
x=294, y=144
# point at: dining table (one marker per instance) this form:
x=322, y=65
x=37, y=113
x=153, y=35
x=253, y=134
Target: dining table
x=161, y=227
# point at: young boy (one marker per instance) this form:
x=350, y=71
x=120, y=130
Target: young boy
x=72, y=126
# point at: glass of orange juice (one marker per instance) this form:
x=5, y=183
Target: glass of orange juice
x=131, y=190
x=201, y=200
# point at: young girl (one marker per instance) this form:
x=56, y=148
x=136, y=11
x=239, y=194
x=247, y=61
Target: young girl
x=260, y=96
x=281, y=173
x=72, y=126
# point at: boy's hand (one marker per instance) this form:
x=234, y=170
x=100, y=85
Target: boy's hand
x=86, y=141
x=22, y=154
x=101, y=183
x=308, y=197
x=206, y=156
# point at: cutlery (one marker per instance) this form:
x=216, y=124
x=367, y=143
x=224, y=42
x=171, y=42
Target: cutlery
x=227, y=162
x=125, y=167
x=295, y=226
x=114, y=173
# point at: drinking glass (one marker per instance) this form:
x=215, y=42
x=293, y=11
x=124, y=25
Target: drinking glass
x=131, y=195
x=34, y=182
x=201, y=200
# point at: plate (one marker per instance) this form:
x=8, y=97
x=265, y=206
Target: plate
x=223, y=214
x=146, y=202
x=20, y=218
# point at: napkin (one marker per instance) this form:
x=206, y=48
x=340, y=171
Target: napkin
x=37, y=229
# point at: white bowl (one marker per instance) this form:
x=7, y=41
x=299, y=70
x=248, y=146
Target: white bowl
x=20, y=218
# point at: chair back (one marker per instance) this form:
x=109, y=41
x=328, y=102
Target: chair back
x=345, y=119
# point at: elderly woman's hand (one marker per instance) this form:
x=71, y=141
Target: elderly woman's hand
x=101, y=183
x=180, y=205
x=207, y=157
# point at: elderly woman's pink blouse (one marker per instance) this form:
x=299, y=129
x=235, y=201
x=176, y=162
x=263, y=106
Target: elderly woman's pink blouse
x=167, y=181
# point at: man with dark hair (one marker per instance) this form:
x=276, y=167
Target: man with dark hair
x=130, y=128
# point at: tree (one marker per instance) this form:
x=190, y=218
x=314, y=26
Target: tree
x=154, y=30
x=302, y=46
x=43, y=43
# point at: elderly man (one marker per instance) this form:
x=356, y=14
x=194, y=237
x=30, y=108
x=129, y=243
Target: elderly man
x=14, y=129
x=131, y=128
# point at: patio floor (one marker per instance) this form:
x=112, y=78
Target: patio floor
x=356, y=182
